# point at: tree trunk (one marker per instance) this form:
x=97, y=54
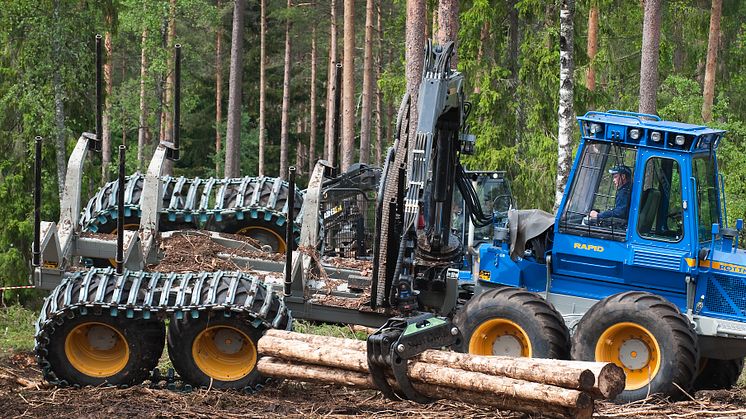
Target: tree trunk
x=143, y=119
x=605, y=380
x=448, y=25
x=168, y=165
x=262, y=81
x=277, y=368
x=484, y=39
x=233, y=132
x=414, y=54
x=379, y=93
x=347, y=153
x=285, y=122
x=218, y=89
x=590, y=79
x=712, y=56
x=330, y=91
x=312, y=125
x=59, y=109
x=367, y=99
x=565, y=113
x=106, y=117
x=651, y=32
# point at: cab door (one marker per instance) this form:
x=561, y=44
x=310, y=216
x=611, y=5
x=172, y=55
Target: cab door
x=660, y=245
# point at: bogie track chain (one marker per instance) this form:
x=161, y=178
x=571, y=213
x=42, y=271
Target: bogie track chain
x=217, y=204
x=97, y=327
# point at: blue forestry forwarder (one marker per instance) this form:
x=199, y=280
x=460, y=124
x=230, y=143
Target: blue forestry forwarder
x=655, y=285
x=660, y=290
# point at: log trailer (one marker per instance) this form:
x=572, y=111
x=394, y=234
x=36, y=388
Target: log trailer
x=659, y=293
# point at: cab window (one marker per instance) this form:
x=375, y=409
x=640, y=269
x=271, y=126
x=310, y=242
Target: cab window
x=599, y=200
x=661, y=210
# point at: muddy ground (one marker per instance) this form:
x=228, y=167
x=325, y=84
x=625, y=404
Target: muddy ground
x=23, y=394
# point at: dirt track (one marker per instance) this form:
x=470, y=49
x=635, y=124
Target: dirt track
x=22, y=394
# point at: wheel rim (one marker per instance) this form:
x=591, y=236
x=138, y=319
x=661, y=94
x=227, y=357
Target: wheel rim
x=130, y=227
x=224, y=353
x=96, y=349
x=500, y=337
x=265, y=236
x=634, y=349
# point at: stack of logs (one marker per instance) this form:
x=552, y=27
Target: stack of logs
x=552, y=388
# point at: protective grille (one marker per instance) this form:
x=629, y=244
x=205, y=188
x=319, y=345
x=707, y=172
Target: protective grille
x=349, y=223
x=657, y=259
x=725, y=295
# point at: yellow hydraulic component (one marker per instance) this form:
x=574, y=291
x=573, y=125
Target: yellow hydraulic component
x=97, y=349
x=500, y=337
x=633, y=348
x=265, y=236
x=224, y=353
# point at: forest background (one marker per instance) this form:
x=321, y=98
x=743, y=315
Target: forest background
x=509, y=51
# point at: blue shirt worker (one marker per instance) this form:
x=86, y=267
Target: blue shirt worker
x=622, y=176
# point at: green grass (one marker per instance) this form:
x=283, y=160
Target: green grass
x=16, y=329
x=324, y=329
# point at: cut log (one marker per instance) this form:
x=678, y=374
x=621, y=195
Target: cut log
x=602, y=380
x=354, y=360
x=273, y=367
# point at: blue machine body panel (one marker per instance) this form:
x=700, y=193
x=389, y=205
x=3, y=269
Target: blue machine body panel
x=661, y=248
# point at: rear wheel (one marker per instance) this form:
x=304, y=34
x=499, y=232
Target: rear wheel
x=718, y=374
x=645, y=335
x=512, y=322
x=100, y=349
x=214, y=350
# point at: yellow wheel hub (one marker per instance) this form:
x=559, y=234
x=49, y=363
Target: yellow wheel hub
x=96, y=349
x=224, y=353
x=500, y=337
x=265, y=236
x=633, y=348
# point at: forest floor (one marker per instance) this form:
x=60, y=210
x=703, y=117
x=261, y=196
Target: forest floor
x=23, y=394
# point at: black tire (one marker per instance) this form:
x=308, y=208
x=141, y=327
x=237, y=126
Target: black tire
x=144, y=341
x=514, y=317
x=184, y=334
x=265, y=226
x=718, y=374
x=622, y=326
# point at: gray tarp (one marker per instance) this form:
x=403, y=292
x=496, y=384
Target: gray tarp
x=524, y=226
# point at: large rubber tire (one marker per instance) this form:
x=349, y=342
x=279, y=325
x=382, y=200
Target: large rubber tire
x=206, y=364
x=268, y=228
x=75, y=360
x=513, y=322
x=633, y=324
x=718, y=374
x=200, y=362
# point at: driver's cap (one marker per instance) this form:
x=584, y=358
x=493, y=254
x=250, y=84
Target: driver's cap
x=621, y=169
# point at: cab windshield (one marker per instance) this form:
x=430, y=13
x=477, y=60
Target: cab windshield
x=703, y=168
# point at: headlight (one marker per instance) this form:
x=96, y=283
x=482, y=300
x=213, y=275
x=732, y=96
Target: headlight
x=655, y=136
x=634, y=134
x=596, y=128
x=679, y=140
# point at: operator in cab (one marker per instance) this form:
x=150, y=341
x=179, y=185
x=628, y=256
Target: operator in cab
x=622, y=176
